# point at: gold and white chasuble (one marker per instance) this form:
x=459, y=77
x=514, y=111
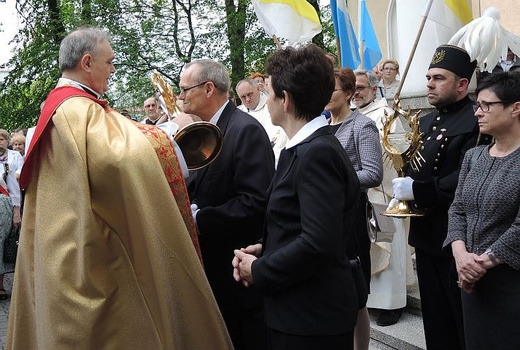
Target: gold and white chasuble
x=105, y=259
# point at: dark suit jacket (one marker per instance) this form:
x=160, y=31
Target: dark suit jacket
x=232, y=196
x=447, y=135
x=304, y=273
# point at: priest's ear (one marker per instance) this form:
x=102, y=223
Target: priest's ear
x=86, y=62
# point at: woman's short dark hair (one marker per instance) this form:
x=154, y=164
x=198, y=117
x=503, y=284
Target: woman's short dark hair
x=506, y=85
x=306, y=74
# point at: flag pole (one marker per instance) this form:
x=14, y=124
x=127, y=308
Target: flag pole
x=338, y=47
x=414, y=47
x=361, y=41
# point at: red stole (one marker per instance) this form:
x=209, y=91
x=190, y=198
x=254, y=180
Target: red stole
x=54, y=100
x=4, y=191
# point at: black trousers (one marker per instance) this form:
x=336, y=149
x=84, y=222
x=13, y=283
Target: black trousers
x=441, y=303
x=283, y=341
x=246, y=328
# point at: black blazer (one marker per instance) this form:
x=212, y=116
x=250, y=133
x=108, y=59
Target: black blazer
x=304, y=273
x=232, y=196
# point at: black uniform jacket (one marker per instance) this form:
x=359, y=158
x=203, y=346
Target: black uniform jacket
x=447, y=134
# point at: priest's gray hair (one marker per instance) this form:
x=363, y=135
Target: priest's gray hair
x=77, y=43
x=371, y=76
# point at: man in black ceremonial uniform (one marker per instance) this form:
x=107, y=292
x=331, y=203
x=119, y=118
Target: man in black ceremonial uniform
x=448, y=133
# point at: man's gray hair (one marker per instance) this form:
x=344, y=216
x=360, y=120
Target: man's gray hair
x=77, y=43
x=213, y=71
x=371, y=76
x=253, y=83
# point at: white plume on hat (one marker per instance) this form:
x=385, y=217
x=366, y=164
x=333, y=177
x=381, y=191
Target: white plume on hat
x=486, y=40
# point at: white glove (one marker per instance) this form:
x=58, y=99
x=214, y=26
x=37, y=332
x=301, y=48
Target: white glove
x=194, y=210
x=403, y=188
x=392, y=204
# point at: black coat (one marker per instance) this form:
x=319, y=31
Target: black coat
x=232, y=196
x=304, y=272
x=447, y=135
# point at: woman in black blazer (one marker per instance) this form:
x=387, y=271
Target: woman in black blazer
x=301, y=267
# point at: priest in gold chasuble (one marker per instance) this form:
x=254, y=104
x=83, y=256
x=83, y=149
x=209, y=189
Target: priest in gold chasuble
x=105, y=259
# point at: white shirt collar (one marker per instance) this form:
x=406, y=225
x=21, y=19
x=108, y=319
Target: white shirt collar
x=306, y=131
x=80, y=86
x=216, y=116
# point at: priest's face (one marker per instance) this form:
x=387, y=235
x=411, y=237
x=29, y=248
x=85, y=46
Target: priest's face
x=151, y=108
x=101, y=67
x=364, y=94
x=249, y=95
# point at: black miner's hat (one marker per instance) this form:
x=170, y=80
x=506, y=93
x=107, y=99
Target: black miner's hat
x=454, y=59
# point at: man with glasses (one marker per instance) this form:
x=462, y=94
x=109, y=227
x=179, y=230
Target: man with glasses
x=389, y=261
x=365, y=97
x=448, y=133
x=229, y=196
x=153, y=112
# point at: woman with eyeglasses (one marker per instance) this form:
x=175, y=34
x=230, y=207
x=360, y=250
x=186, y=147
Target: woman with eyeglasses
x=388, y=84
x=9, y=201
x=484, y=220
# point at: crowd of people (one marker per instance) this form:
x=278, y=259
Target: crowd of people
x=267, y=247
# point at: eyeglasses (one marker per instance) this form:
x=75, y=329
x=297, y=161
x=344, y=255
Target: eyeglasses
x=185, y=90
x=150, y=105
x=361, y=88
x=389, y=69
x=484, y=106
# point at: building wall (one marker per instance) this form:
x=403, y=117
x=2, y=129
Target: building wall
x=414, y=88
x=378, y=12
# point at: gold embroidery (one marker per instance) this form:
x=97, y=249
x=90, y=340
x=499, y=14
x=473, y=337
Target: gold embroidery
x=438, y=56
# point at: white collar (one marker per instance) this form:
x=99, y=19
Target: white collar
x=80, y=86
x=216, y=116
x=306, y=131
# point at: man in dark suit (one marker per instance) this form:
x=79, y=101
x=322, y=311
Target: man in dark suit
x=448, y=133
x=229, y=196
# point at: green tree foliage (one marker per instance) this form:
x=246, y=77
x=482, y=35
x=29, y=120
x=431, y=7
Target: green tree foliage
x=149, y=35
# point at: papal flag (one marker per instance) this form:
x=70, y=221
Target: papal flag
x=294, y=20
x=445, y=18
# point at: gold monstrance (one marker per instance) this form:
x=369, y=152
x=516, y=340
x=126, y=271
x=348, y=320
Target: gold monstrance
x=403, y=148
x=168, y=99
